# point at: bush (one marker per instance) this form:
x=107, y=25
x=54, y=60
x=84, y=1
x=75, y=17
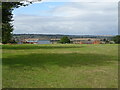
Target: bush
x=64, y=40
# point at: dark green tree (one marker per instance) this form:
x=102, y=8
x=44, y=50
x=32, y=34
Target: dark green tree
x=116, y=39
x=64, y=40
x=7, y=18
x=106, y=41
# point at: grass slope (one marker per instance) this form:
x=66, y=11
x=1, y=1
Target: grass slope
x=60, y=66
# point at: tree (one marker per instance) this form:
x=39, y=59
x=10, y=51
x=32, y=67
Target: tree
x=64, y=40
x=116, y=39
x=89, y=39
x=106, y=41
x=7, y=18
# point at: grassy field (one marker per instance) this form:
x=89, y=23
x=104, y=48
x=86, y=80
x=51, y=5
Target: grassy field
x=60, y=66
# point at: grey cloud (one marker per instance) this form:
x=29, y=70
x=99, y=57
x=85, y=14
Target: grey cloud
x=100, y=19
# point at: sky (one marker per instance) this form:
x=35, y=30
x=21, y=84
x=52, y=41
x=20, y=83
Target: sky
x=71, y=18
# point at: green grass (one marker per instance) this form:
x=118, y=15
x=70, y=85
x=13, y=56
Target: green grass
x=60, y=66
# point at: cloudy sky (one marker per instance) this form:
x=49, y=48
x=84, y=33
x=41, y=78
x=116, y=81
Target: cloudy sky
x=76, y=18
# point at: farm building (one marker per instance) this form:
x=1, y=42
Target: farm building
x=43, y=42
x=90, y=42
x=86, y=41
x=36, y=41
x=31, y=40
x=55, y=41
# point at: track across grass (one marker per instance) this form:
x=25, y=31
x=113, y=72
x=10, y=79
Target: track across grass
x=60, y=66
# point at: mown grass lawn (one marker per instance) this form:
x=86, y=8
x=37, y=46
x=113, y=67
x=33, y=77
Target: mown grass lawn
x=60, y=66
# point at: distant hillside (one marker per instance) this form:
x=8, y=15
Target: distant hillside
x=59, y=36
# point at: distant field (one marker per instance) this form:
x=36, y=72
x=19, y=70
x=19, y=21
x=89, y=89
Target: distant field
x=60, y=66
